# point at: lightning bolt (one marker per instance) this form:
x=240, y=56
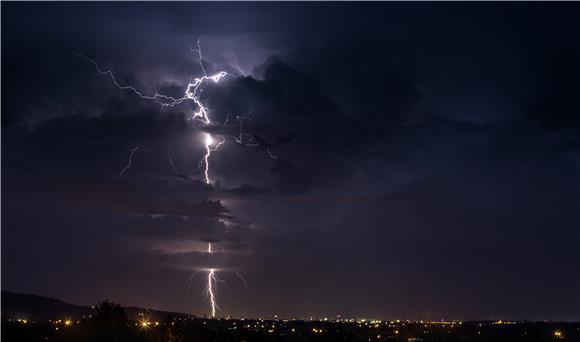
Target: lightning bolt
x=210, y=146
x=211, y=282
x=192, y=92
x=202, y=111
x=130, y=162
x=211, y=279
x=199, y=56
x=161, y=98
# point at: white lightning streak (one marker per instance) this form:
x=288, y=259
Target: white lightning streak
x=202, y=111
x=130, y=161
x=192, y=92
x=154, y=97
x=210, y=290
x=211, y=279
x=210, y=146
x=198, y=50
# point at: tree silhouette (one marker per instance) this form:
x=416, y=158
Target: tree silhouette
x=109, y=322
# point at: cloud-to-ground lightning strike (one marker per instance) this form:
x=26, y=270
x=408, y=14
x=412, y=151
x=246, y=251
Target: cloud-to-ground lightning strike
x=211, y=281
x=211, y=143
x=130, y=162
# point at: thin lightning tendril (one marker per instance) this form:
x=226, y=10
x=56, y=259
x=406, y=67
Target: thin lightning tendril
x=130, y=162
x=247, y=139
x=170, y=159
x=155, y=97
x=203, y=111
x=198, y=50
x=240, y=139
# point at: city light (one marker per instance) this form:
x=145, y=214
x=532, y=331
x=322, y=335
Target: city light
x=144, y=323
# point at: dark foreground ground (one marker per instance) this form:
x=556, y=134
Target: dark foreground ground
x=36, y=318
x=195, y=329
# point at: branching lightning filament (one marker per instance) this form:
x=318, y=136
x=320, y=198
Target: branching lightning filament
x=211, y=280
x=130, y=162
x=192, y=93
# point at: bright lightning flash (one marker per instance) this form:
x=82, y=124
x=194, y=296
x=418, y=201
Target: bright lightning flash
x=211, y=281
x=210, y=146
x=193, y=92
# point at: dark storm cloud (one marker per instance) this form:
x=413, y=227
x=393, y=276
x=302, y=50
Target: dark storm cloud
x=205, y=208
x=555, y=106
x=292, y=179
x=427, y=152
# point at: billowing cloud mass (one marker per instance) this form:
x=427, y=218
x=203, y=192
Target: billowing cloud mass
x=425, y=158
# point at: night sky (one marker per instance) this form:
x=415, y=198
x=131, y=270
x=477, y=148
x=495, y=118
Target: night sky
x=427, y=165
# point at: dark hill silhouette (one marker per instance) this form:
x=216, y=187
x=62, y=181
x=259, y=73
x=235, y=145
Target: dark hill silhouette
x=39, y=308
